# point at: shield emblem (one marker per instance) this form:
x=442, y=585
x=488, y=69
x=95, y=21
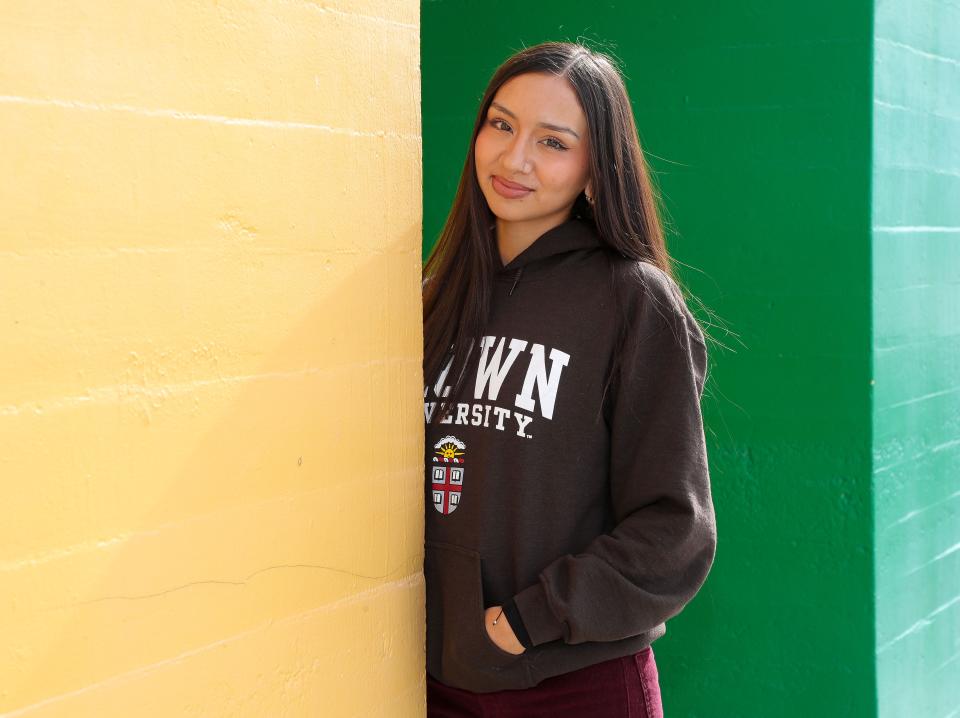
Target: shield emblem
x=448, y=471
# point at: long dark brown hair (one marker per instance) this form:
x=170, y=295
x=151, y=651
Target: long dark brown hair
x=458, y=274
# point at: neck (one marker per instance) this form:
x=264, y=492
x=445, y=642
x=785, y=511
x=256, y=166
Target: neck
x=515, y=236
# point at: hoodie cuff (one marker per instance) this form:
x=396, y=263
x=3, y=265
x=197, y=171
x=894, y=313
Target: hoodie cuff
x=516, y=623
x=538, y=619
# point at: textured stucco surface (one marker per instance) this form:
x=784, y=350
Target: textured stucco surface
x=210, y=372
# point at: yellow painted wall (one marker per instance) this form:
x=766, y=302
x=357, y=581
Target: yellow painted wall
x=210, y=359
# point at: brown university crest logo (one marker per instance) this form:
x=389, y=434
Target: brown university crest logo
x=447, y=468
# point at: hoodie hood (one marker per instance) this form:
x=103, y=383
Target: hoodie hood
x=570, y=236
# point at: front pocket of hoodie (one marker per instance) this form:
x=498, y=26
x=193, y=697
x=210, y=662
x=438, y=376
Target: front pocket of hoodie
x=460, y=652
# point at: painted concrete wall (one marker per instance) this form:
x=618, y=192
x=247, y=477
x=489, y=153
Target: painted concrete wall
x=916, y=346
x=210, y=359
x=756, y=118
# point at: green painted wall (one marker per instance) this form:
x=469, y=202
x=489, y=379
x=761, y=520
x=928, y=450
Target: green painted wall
x=758, y=122
x=916, y=344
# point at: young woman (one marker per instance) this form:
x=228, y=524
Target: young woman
x=569, y=512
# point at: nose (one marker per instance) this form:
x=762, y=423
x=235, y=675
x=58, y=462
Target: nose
x=515, y=157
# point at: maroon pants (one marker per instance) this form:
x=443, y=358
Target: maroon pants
x=626, y=687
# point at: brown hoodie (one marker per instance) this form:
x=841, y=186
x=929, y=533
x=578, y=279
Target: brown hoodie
x=588, y=518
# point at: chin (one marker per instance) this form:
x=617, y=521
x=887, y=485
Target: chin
x=509, y=209
x=512, y=214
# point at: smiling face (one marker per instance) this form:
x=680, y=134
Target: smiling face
x=531, y=153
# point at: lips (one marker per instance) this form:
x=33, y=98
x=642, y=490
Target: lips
x=508, y=189
x=508, y=183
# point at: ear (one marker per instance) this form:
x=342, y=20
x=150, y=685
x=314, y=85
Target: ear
x=588, y=190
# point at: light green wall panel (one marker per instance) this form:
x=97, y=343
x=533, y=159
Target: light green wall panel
x=916, y=352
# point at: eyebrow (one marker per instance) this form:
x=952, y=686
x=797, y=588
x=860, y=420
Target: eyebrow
x=548, y=125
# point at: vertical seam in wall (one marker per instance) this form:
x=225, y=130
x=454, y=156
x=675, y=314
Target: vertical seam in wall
x=871, y=386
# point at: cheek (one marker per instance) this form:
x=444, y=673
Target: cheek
x=567, y=172
x=481, y=148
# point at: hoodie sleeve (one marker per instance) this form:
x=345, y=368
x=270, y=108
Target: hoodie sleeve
x=662, y=546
